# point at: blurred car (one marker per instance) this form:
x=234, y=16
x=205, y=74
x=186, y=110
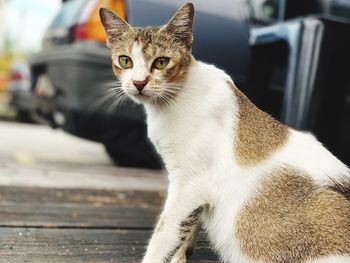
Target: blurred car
x=19, y=90
x=72, y=76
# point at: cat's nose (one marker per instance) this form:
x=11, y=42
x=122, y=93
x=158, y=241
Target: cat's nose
x=139, y=84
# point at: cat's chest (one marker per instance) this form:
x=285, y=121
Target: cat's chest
x=171, y=137
x=167, y=128
x=183, y=140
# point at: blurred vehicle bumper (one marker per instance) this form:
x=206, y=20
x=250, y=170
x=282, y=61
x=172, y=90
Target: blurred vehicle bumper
x=22, y=100
x=80, y=76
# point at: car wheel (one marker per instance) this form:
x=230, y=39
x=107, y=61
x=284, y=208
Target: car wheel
x=139, y=154
x=23, y=116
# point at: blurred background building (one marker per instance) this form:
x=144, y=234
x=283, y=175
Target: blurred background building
x=22, y=25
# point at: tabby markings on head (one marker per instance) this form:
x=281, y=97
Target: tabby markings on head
x=172, y=41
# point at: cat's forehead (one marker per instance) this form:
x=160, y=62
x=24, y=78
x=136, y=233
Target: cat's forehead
x=152, y=40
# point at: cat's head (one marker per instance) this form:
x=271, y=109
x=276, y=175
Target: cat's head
x=151, y=62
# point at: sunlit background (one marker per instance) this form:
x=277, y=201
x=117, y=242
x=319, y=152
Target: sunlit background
x=22, y=25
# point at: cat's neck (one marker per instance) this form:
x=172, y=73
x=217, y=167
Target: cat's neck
x=203, y=108
x=197, y=91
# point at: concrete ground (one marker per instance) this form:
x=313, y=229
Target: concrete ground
x=35, y=155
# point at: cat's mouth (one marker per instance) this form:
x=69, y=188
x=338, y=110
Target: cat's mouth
x=140, y=96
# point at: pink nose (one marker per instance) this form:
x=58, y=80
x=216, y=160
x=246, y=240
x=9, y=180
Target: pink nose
x=139, y=84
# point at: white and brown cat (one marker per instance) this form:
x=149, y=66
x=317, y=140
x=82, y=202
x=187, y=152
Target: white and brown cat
x=262, y=191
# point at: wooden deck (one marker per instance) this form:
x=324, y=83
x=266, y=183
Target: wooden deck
x=78, y=211
x=79, y=225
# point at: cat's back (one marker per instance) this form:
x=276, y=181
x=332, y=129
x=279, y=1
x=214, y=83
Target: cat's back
x=262, y=141
x=299, y=209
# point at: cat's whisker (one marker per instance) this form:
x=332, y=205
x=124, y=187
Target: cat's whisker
x=101, y=104
x=160, y=98
x=108, y=97
x=124, y=99
x=166, y=99
x=169, y=96
x=117, y=101
x=116, y=88
x=122, y=96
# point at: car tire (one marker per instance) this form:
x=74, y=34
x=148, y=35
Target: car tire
x=23, y=116
x=141, y=156
x=129, y=146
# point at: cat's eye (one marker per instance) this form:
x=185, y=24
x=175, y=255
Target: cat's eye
x=125, y=62
x=160, y=63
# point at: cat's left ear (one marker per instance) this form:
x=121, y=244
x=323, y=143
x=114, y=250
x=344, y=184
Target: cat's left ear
x=113, y=24
x=180, y=25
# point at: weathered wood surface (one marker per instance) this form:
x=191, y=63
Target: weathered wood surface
x=83, y=208
x=96, y=197
x=79, y=245
x=60, y=174
x=79, y=225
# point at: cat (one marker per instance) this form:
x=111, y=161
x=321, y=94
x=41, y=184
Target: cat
x=262, y=191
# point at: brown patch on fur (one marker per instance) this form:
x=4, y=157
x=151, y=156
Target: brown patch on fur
x=117, y=71
x=259, y=134
x=181, y=24
x=178, y=72
x=291, y=220
x=341, y=186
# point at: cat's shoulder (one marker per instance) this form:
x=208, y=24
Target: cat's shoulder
x=209, y=72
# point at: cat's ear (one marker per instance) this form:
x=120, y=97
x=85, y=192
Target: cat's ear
x=113, y=24
x=180, y=25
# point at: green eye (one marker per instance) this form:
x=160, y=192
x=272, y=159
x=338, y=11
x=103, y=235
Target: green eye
x=160, y=63
x=125, y=62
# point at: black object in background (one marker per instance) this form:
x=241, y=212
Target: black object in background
x=316, y=91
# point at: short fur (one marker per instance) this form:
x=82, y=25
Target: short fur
x=263, y=192
x=312, y=221
x=259, y=135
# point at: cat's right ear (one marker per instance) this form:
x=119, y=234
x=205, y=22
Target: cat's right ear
x=113, y=24
x=180, y=25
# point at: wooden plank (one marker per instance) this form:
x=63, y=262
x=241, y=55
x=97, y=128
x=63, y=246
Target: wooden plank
x=79, y=245
x=79, y=208
x=82, y=196
x=13, y=214
x=57, y=174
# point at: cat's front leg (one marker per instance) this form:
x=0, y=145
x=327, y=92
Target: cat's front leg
x=187, y=246
x=177, y=226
